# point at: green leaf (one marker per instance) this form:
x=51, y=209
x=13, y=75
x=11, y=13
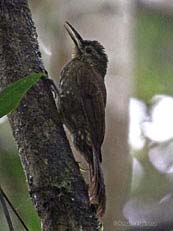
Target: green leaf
x=11, y=96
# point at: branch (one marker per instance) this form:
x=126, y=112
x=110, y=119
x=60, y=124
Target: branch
x=6, y=213
x=55, y=183
x=4, y=196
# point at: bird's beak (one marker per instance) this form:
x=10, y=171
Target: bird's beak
x=75, y=36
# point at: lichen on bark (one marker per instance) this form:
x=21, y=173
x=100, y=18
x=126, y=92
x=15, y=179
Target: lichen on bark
x=54, y=180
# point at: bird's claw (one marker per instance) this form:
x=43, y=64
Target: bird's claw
x=53, y=87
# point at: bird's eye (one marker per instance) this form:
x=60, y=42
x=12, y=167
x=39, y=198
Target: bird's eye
x=88, y=50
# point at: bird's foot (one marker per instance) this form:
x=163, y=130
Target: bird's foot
x=53, y=87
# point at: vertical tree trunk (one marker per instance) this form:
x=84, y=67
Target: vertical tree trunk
x=55, y=183
x=111, y=23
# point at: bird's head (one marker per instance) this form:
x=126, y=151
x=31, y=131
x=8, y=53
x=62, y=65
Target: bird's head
x=88, y=51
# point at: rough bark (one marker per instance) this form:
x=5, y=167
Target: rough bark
x=111, y=23
x=54, y=179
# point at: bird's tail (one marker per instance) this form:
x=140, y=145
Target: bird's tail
x=97, y=186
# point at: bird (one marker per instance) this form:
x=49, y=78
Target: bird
x=82, y=102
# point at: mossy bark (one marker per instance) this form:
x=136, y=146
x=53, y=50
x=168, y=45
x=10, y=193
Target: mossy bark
x=55, y=183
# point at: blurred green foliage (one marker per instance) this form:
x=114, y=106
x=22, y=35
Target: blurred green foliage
x=153, y=75
x=10, y=167
x=154, y=46
x=14, y=184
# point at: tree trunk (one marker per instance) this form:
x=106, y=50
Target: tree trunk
x=111, y=23
x=54, y=179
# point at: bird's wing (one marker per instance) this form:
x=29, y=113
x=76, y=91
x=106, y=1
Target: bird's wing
x=93, y=100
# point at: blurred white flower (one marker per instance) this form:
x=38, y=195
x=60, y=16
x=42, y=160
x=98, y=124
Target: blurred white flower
x=137, y=114
x=160, y=126
x=160, y=155
x=149, y=212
